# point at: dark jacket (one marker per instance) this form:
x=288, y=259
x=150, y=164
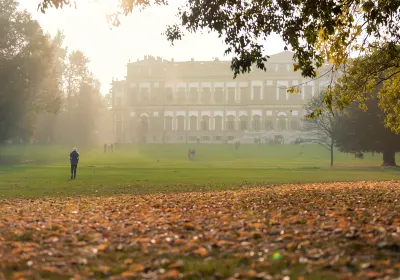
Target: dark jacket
x=74, y=158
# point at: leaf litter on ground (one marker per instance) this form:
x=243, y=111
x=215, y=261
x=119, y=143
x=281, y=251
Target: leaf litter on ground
x=315, y=231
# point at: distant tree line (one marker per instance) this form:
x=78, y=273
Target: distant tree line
x=47, y=94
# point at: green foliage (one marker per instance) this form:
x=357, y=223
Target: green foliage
x=364, y=131
x=378, y=71
x=28, y=73
x=315, y=30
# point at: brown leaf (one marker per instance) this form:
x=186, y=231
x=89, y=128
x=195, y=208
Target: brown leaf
x=172, y=274
x=201, y=252
x=136, y=267
x=177, y=264
x=128, y=274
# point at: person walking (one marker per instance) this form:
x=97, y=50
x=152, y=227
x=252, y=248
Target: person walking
x=74, y=160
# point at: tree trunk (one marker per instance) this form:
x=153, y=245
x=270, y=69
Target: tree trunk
x=332, y=152
x=389, y=158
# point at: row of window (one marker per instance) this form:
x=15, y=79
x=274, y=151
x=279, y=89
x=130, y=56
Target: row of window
x=206, y=95
x=204, y=125
x=148, y=70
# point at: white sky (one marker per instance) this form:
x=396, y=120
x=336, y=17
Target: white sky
x=110, y=48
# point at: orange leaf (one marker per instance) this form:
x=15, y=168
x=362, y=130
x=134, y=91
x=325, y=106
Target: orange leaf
x=102, y=247
x=170, y=274
x=201, y=252
x=128, y=274
x=136, y=267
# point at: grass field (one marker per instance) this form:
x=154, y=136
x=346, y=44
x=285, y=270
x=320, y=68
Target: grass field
x=247, y=224
x=44, y=170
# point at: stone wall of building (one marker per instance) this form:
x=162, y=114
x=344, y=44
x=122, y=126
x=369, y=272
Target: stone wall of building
x=172, y=102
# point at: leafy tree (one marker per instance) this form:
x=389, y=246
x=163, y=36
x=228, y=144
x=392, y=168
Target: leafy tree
x=107, y=100
x=378, y=69
x=77, y=122
x=322, y=128
x=28, y=74
x=361, y=131
x=316, y=30
x=86, y=112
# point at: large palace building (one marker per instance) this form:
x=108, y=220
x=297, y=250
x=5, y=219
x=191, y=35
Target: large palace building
x=167, y=101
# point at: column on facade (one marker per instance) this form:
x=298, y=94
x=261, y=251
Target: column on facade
x=277, y=89
x=186, y=119
x=263, y=119
x=224, y=93
x=174, y=121
x=199, y=121
x=224, y=120
x=249, y=120
x=212, y=121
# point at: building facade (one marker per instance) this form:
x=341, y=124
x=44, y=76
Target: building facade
x=164, y=101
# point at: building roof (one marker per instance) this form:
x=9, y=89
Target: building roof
x=281, y=57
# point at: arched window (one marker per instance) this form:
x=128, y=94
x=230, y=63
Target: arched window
x=268, y=124
x=256, y=123
x=193, y=123
x=205, y=123
x=218, y=123
x=230, y=123
x=243, y=123
x=281, y=124
x=180, y=123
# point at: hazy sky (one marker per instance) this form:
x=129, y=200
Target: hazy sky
x=110, y=48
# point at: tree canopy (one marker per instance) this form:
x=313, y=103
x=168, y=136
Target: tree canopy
x=358, y=131
x=82, y=104
x=376, y=71
x=28, y=72
x=316, y=30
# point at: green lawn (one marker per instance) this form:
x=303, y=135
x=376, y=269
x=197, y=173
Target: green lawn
x=29, y=171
